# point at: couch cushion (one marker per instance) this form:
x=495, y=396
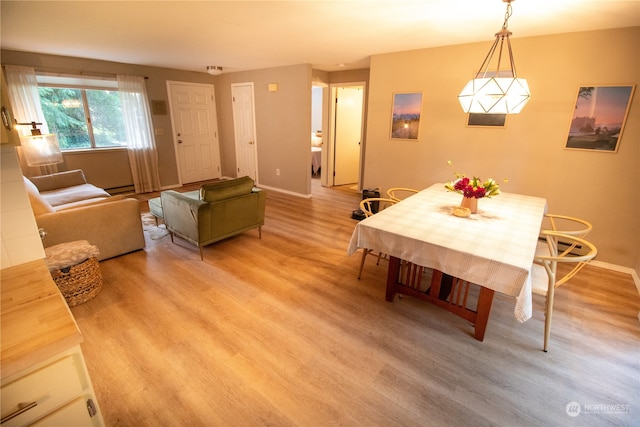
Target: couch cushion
x=221, y=190
x=38, y=204
x=76, y=193
x=89, y=202
x=59, y=180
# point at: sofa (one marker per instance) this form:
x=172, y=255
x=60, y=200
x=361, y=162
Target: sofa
x=216, y=211
x=68, y=208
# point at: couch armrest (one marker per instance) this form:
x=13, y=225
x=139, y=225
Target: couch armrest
x=59, y=180
x=114, y=227
x=183, y=214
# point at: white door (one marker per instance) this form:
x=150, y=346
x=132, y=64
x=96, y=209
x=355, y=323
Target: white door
x=244, y=129
x=195, y=126
x=348, y=134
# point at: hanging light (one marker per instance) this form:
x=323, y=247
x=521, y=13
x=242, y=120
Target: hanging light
x=499, y=91
x=39, y=149
x=214, y=70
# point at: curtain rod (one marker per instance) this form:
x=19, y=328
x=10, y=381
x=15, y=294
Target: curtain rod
x=77, y=72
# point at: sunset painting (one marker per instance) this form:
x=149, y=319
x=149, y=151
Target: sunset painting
x=599, y=116
x=405, y=120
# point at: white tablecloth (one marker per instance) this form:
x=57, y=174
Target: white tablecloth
x=493, y=248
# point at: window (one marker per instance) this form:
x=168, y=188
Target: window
x=84, y=113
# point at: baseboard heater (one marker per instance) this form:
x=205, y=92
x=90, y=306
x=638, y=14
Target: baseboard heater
x=120, y=190
x=562, y=246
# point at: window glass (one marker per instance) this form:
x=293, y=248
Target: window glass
x=63, y=109
x=106, y=118
x=83, y=118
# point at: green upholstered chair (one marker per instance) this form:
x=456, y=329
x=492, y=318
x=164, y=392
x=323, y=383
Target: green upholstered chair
x=217, y=211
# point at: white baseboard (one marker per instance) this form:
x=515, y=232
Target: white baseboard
x=280, y=190
x=621, y=269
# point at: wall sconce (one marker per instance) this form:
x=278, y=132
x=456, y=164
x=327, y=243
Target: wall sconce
x=499, y=92
x=38, y=149
x=214, y=70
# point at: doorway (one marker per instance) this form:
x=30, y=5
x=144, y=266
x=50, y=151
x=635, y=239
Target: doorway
x=195, y=131
x=345, y=134
x=319, y=124
x=244, y=130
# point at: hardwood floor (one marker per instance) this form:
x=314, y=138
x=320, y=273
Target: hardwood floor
x=279, y=331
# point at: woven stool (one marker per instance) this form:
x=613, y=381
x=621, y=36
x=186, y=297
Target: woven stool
x=75, y=269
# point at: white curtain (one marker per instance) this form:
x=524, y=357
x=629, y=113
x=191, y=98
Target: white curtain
x=143, y=156
x=22, y=88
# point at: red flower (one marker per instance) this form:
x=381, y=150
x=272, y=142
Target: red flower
x=462, y=184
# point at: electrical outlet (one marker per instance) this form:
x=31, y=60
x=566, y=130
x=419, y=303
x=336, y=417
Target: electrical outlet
x=277, y=172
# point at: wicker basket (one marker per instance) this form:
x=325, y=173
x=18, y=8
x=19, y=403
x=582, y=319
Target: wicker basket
x=80, y=283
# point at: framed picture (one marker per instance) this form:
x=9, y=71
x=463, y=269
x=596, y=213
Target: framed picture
x=598, y=118
x=487, y=120
x=405, y=116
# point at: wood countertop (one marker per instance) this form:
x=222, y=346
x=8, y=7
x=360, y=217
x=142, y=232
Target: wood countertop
x=36, y=322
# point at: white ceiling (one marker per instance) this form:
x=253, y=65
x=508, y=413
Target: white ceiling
x=242, y=35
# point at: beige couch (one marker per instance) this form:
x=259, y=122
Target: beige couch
x=68, y=208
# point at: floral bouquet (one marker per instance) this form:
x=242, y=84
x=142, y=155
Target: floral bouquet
x=473, y=188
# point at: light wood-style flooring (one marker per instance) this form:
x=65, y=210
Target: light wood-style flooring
x=279, y=331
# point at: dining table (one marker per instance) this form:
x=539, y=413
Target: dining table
x=489, y=251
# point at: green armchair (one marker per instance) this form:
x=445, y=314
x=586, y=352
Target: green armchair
x=218, y=210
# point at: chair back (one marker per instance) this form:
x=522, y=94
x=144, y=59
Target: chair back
x=550, y=262
x=372, y=205
x=568, y=225
x=400, y=193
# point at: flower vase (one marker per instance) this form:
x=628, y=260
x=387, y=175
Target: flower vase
x=470, y=203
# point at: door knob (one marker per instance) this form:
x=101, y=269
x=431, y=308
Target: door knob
x=179, y=141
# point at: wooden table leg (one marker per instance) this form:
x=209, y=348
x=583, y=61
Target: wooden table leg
x=438, y=293
x=485, y=299
x=392, y=277
x=441, y=285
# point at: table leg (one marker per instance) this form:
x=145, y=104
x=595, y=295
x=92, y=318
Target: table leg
x=392, y=278
x=441, y=285
x=445, y=291
x=485, y=299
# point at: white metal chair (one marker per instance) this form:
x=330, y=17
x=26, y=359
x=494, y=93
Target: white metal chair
x=544, y=271
x=563, y=224
x=370, y=207
x=400, y=193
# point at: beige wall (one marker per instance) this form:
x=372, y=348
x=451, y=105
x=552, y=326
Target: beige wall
x=156, y=82
x=283, y=120
x=600, y=187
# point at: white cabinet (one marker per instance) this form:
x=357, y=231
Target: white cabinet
x=55, y=392
x=43, y=375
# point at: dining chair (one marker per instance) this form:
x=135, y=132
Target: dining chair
x=400, y=193
x=371, y=206
x=544, y=272
x=564, y=224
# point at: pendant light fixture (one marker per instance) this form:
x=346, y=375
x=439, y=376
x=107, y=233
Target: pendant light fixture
x=496, y=91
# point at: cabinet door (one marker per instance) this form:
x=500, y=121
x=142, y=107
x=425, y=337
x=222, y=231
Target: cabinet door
x=50, y=387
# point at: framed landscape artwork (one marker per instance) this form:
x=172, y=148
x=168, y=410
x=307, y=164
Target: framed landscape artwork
x=598, y=119
x=487, y=120
x=405, y=116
